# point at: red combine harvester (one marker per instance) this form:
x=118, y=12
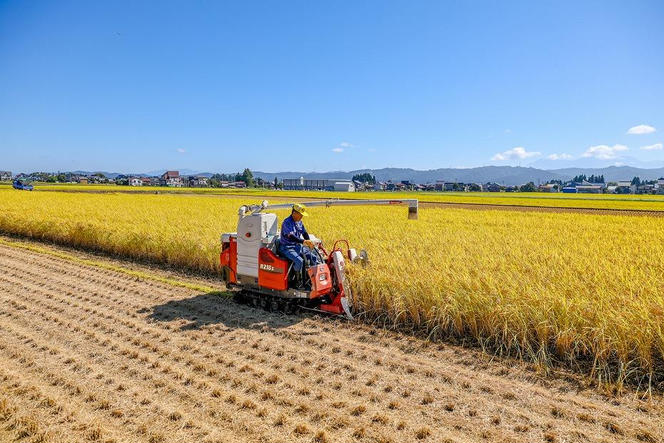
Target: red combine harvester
x=253, y=268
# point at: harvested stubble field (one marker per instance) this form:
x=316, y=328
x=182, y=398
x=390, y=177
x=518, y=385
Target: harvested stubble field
x=90, y=351
x=578, y=289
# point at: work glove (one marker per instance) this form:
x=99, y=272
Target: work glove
x=309, y=244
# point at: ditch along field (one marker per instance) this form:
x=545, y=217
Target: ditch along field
x=101, y=350
x=649, y=203
x=583, y=291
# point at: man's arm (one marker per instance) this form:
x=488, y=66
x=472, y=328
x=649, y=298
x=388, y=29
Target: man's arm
x=305, y=234
x=288, y=231
x=292, y=237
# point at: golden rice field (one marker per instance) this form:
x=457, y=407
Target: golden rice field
x=555, y=200
x=582, y=289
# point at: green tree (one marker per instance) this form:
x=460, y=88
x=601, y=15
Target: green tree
x=365, y=178
x=528, y=187
x=248, y=178
x=636, y=181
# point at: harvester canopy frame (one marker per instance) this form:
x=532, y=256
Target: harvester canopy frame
x=412, y=205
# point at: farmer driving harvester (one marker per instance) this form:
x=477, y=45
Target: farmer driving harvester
x=295, y=245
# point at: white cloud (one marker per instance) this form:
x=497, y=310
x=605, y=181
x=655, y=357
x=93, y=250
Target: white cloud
x=641, y=129
x=337, y=149
x=655, y=147
x=181, y=150
x=345, y=145
x=562, y=156
x=517, y=153
x=604, y=152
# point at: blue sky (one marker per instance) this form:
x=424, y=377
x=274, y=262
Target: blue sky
x=313, y=86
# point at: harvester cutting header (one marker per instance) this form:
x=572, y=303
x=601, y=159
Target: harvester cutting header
x=291, y=269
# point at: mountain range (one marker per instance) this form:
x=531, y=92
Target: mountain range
x=507, y=175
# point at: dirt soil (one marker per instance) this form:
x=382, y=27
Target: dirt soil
x=92, y=354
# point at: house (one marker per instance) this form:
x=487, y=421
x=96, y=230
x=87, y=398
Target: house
x=590, y=188
x=646, y=189
x=5, y=176
x=82, y=180
x=147, y=181
x=492, y=187
x=548, y=187
x=378, y=186
x=625, y=187
x=171, y=178
x=135, y=181
x=198, y=182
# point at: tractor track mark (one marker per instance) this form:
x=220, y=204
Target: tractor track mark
x=216, y=370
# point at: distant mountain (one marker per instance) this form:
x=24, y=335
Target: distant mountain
x=507, y=175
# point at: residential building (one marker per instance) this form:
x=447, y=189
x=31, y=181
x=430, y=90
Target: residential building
x=198, y=182
x=590, y=188
x=171, y=178
x=625, y=187
x=135, y=181
x=492, y=187
x=548, y=187
x=5, y=176
x=646, y=189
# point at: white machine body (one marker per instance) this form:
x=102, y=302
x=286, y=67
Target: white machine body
x=254, y=231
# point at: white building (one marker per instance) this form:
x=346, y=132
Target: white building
x=321, y=184
x=135, y=181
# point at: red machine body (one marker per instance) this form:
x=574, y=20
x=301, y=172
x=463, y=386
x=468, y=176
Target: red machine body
x=327, y=289
x=272, y=270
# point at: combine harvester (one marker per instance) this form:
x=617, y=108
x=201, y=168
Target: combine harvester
x=22, y=185
x=254, y=270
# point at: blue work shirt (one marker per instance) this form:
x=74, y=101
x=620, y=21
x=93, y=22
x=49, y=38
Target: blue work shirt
x=292, y=232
